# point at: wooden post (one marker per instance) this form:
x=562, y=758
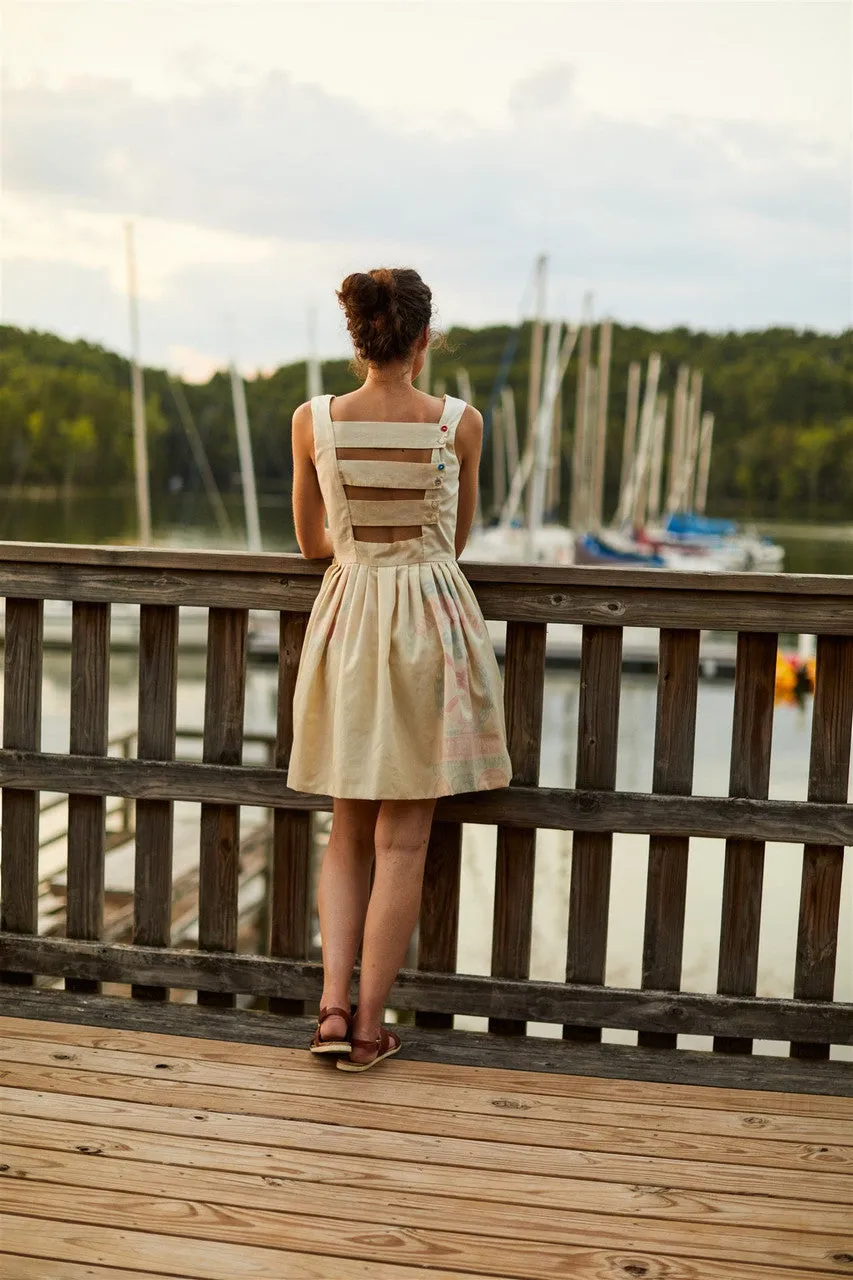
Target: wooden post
x=524, y=685
x=23, y=649
x=752, y=733
x=829, y=769
x=224, y=702
x=598, y=732
x=90, y=682
x=158, y=686
x=438, y=927
x=666, y=891
x=632, y=413
x=605, y=341
x=706, y=440
x=290, y=890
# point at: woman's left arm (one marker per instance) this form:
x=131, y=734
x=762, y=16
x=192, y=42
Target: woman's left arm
x=309, y=511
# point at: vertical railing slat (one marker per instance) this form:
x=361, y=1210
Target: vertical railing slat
x=158, y=690
x=224, y=703
x=829, y=770
x=89, y=710
x=752, y=733
x=524, y=691
x=290, y=889
x=23, y=649
x=438, y=925
x=672, y=774
x=598, y=732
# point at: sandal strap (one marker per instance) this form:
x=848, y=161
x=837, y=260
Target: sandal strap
x=334, y=1010
x=381, y=1043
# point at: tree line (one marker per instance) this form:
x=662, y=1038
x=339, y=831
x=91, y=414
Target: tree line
x=782, y=400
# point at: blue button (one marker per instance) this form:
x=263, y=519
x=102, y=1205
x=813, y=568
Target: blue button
x=441, y=466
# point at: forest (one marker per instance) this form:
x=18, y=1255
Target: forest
x=782, y=400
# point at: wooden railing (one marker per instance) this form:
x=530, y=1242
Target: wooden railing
x=758, y=608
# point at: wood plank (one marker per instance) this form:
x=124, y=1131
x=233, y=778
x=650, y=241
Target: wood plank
x=589, y=890
x=533, y=1053
x=448, y=993
x=829, y=771
x=290, y=886
x=790, y=821
x=224, y=703
x=666, y=885
x=547, y=1140
x=89, y=731
x=524, y=690
x=668, y=599
x=502, y=1079
x=158, y=689
x=438, y=924
x=17, y=1267
x=427, y=1246
x=199, y=1259
x=248, y=1143
x=446, y=1097
x=22, y=681
x=752, y=733
x=485, y=1203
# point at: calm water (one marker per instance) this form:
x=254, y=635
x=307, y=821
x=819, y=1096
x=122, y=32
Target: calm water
x=183, y=521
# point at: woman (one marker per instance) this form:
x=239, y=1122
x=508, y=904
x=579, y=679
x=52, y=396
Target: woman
x=398, y=697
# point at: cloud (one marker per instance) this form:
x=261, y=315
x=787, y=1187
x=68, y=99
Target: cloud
x=265, y=194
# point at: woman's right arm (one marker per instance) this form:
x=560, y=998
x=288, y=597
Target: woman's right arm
x=309, y=511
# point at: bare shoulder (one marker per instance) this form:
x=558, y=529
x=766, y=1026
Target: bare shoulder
x=303, y=430
x=469, y=432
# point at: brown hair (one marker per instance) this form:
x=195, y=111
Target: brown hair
x=386, y=310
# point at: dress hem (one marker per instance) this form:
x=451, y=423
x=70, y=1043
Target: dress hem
x=433, y=795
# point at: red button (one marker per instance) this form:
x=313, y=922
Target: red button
x=444, y=428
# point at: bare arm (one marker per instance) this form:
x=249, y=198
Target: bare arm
x=309, y=512
x=469, y=445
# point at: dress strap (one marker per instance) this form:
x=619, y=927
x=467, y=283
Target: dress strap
x=324, y=436
x=453, y=411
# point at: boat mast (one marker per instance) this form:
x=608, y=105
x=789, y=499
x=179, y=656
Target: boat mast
x=605, y=345
x=632, y=413
x=140, y=444
x=247, y=466
x=578, y=507
x=706, y=440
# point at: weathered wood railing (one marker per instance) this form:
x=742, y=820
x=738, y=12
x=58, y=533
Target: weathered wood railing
x=758, y=608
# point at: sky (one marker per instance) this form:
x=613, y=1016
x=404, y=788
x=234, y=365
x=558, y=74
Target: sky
x=686, y=161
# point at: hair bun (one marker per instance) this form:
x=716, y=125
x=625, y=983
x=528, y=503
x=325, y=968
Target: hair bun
x=386, y=310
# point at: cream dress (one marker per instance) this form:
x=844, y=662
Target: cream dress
x=398, y=694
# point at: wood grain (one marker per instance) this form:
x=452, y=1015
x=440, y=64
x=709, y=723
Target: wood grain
x=752, y=732
x=89, y=719
x=790, y=821
x=524, y=686
x=438, y=926
x=22, y=682
x=829, y=772
x=589, y=891
x=672, y=773
x=158, y=688
x=224, y=702
x=290, y=886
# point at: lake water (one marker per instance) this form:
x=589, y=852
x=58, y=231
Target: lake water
x=180, y=522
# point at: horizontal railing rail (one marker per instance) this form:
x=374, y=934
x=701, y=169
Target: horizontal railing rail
x=603, y=603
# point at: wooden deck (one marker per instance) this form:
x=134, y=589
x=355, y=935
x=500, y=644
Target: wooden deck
x=126, y=1154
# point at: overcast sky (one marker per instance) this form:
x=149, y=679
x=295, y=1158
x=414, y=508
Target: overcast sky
x=688, y=161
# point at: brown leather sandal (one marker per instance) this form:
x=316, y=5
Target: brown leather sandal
x=386, y=1044
x=319, y=1045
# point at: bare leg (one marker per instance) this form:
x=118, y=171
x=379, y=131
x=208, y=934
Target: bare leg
x=402, y=834
x=342, y=901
